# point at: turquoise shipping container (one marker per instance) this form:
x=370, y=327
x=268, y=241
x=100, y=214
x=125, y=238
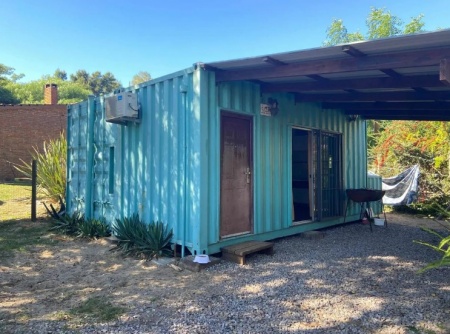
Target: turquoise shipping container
x=171, y=165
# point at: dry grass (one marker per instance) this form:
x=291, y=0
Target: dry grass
x=15, y=201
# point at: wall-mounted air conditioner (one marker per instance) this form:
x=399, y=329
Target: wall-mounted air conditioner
x=122, y=108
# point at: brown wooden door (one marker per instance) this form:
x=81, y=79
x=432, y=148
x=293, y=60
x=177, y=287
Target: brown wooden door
x=236, y=175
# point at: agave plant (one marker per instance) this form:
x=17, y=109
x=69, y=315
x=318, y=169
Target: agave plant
x=140, y=239
x=68, y=224
x=93, y=228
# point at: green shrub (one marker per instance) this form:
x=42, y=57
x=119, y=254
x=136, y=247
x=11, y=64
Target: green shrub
x=51, y=167
x=140, y=239
x=78, y=226
x=68, y=224
x=93, y=228
x=442, y=247
x=429, y=208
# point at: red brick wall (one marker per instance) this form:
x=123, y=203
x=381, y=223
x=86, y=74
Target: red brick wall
x=23, y=127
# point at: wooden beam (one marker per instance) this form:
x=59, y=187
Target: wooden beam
x=414, y=58
x=444, y=71
x=419, y=89
x=361, y=83
x=318, y=78
x=351, y=91
x=207, y=67
x=273, y=61
x=422, y=112
x=387, y=106
x=352, y=51
x=419, y=115
x=381, y=96
x=422, y=117
x=391, y=73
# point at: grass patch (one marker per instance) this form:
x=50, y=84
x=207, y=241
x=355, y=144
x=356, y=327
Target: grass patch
x=15, y=200
x=98, y=308
x=14, y=191
x=17, y=236
x=419, y=330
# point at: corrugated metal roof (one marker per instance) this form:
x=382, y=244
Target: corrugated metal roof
x=412, y=68
x=379, y=46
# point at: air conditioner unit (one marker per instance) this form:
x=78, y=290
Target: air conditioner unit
x=122, y=108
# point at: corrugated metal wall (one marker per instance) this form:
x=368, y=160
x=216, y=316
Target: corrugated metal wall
x=272, y=153
x=77, y=156
x=142, y=168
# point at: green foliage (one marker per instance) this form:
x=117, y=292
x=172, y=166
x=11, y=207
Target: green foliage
x=60, y=74
x=7, y=96
x=51, y=167
x=96, y=82
x=442, y=247
x=5, y=72
x=81, y=85
x=140, y=239
x=93, y=229
x=77, y=225
x=18, y=235
x=380, y=23
x=337, y=33
x=402, y=144
x=33, y=92
x=80, y=76
x=140, y=77
x=68, y=224
x=99, y=309
x=7, y=76
x=429, y=208
x=416, y=25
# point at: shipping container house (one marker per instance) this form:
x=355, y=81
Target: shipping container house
x=237, y=150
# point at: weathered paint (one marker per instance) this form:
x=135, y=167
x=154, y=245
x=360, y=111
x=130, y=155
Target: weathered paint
x=167, y=167
x=272, y=158
x=149, y=172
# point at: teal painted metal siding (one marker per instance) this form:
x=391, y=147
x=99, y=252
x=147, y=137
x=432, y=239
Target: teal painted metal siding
x=167, y=167
x=149, y=173
x=272, y=157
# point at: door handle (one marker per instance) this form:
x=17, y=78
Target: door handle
x=247, y=174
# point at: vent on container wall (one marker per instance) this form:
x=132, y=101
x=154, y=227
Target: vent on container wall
x=122, y=108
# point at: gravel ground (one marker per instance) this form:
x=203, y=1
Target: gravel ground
x=351, y=281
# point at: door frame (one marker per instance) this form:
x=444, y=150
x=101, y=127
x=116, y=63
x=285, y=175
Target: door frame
x=311, y=173
x=315, y=170
x=250, y=118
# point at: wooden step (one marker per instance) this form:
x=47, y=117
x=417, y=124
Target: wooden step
x=237, y=253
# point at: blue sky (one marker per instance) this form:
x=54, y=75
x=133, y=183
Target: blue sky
x=161, y=37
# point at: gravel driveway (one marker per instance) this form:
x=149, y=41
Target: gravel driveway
x=351, y=281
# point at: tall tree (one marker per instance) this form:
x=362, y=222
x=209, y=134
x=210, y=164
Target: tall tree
x=80, y=76
x=380, y=23
x=60, y=74
x=140, y=77
x=97, y=82
x=7, y=76
x=102, y=83
x=32, y=92
x=5, y=72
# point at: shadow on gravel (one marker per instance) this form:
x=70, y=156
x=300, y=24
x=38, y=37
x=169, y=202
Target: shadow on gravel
x=351, y=281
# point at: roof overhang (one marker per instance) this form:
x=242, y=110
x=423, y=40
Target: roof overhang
x=404, y=77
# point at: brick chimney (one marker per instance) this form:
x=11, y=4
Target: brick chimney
x=51, y=94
